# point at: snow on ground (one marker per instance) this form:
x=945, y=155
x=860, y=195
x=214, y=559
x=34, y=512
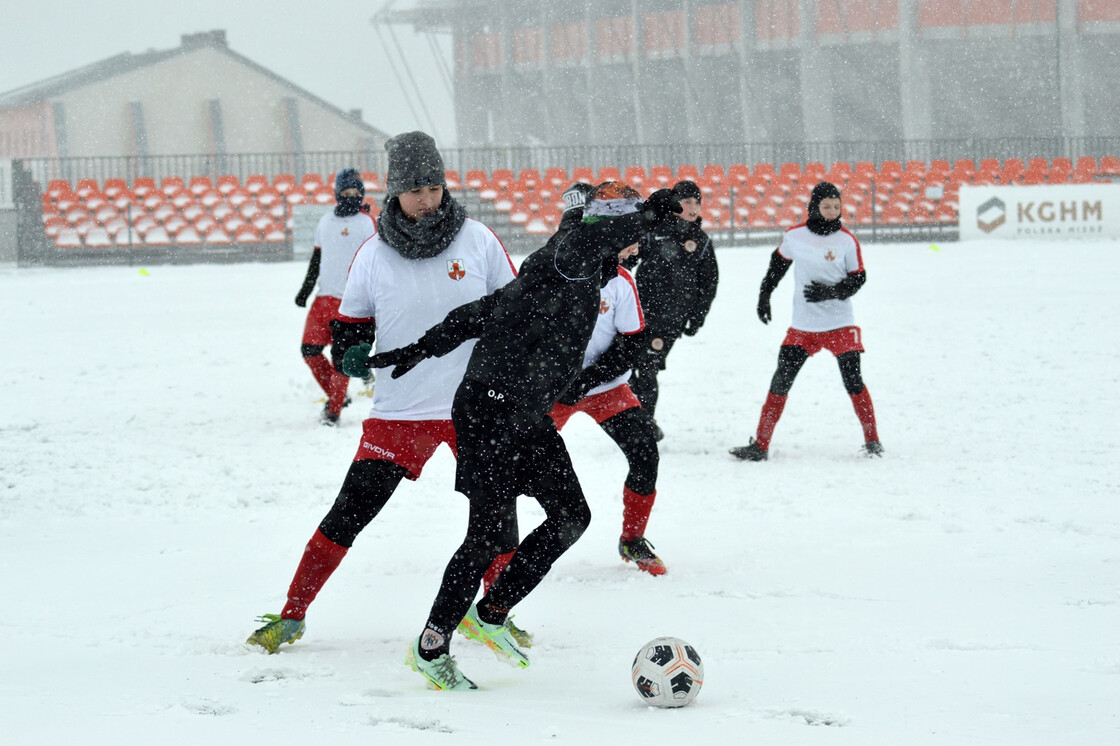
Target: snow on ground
x=161, y=467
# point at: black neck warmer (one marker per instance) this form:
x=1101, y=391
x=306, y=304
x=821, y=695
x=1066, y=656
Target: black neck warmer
x=428, y=236
x=348, y=206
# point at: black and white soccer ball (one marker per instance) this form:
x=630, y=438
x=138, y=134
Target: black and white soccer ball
x=667, y=672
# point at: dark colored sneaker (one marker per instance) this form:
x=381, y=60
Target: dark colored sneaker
x=872, y=449
x=328, y=418
x=750, y=452
x=639, y=551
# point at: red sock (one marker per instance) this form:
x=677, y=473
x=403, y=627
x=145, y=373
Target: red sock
x=322, y=369
x=495, y=570
x=320, y=559
x=768, y=420
x=635, y=513
x=338, y=385
x=865, y=410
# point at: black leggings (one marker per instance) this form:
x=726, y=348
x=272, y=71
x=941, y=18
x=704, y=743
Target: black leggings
x=792, y=357
x=368, y=486
x=531, y=461
x=636, y=434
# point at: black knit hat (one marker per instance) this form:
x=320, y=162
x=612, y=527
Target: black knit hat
x=576, y=195
x=349, y=178
x=414, y=161
x=687, y=189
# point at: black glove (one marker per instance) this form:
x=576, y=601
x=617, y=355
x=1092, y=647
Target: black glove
x=575, y=392
x=692, y=326
x=301, y=299
x=764, y=308
x=403, y=358
x=815, y=292
x=661, y=206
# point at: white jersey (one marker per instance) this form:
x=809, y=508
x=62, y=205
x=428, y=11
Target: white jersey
x=620, y=312
x=828, y=259
x=407, y=297
x=338, y=240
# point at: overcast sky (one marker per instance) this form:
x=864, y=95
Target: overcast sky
x=328, y=48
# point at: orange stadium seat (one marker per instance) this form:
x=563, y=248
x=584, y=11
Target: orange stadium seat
x=557, y=178
x=530, y=177
x=311, y=183
x=764, y=171
x=227, y=183
x=660, y=177
x=738, y=173
x=198, y=185
x=501, y=178
x=584, y=174
x=450, y=176
x=284, y=183
x=142, y=186
x=688, y=172
x=476, y=178
x=255, y=182
x=246, y=234
x=635, y=176
x=1110, y=165
x=713, y=174
x=171, y=184
x=608, y=173
x=216, y=236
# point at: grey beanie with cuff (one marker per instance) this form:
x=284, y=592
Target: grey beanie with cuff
x=414, y=162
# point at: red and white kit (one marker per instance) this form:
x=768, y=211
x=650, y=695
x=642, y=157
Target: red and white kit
x=406, y=297
x=828, y=259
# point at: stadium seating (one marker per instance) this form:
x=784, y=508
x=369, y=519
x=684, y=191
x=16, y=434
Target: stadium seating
x=770, y=196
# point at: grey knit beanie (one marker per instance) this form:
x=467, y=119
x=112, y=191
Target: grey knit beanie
x=414, y=162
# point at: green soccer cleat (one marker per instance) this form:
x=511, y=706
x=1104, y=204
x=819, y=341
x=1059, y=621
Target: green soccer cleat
x=524, y=639
x=276, y=632
x=497, y=637
x=442, y=673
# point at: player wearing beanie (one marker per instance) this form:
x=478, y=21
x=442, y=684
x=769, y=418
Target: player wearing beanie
x=337, y=238
x=427, y=259
x=828, y=270
x=532, y=335
x=677, y=277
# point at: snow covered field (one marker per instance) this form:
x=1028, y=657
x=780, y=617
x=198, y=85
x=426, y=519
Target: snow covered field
x=161, y=468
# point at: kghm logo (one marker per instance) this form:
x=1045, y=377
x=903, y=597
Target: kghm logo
x=991, y=215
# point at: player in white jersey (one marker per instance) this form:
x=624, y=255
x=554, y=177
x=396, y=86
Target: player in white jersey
x=828, y=268
x=427, y=258
x=337, y=238
x=602, y=391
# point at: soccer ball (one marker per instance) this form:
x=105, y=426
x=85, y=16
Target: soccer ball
x=667, y=672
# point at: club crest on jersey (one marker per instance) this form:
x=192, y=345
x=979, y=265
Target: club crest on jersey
x=830, y=256
x=657, y=343
x=346, y=230
x=604, y=306
x=690, y=246
x=455, y=269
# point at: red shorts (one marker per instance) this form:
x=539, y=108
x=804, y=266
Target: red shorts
x=407, y=443
x=317, y=330
x=836, y=341
x=600, y=406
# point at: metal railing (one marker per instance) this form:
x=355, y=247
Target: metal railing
x=517, y=157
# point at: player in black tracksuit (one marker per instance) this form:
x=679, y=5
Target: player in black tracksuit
x=531, y=339
x=677, y=277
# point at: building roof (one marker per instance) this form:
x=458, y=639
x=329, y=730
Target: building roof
x=45, y=90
